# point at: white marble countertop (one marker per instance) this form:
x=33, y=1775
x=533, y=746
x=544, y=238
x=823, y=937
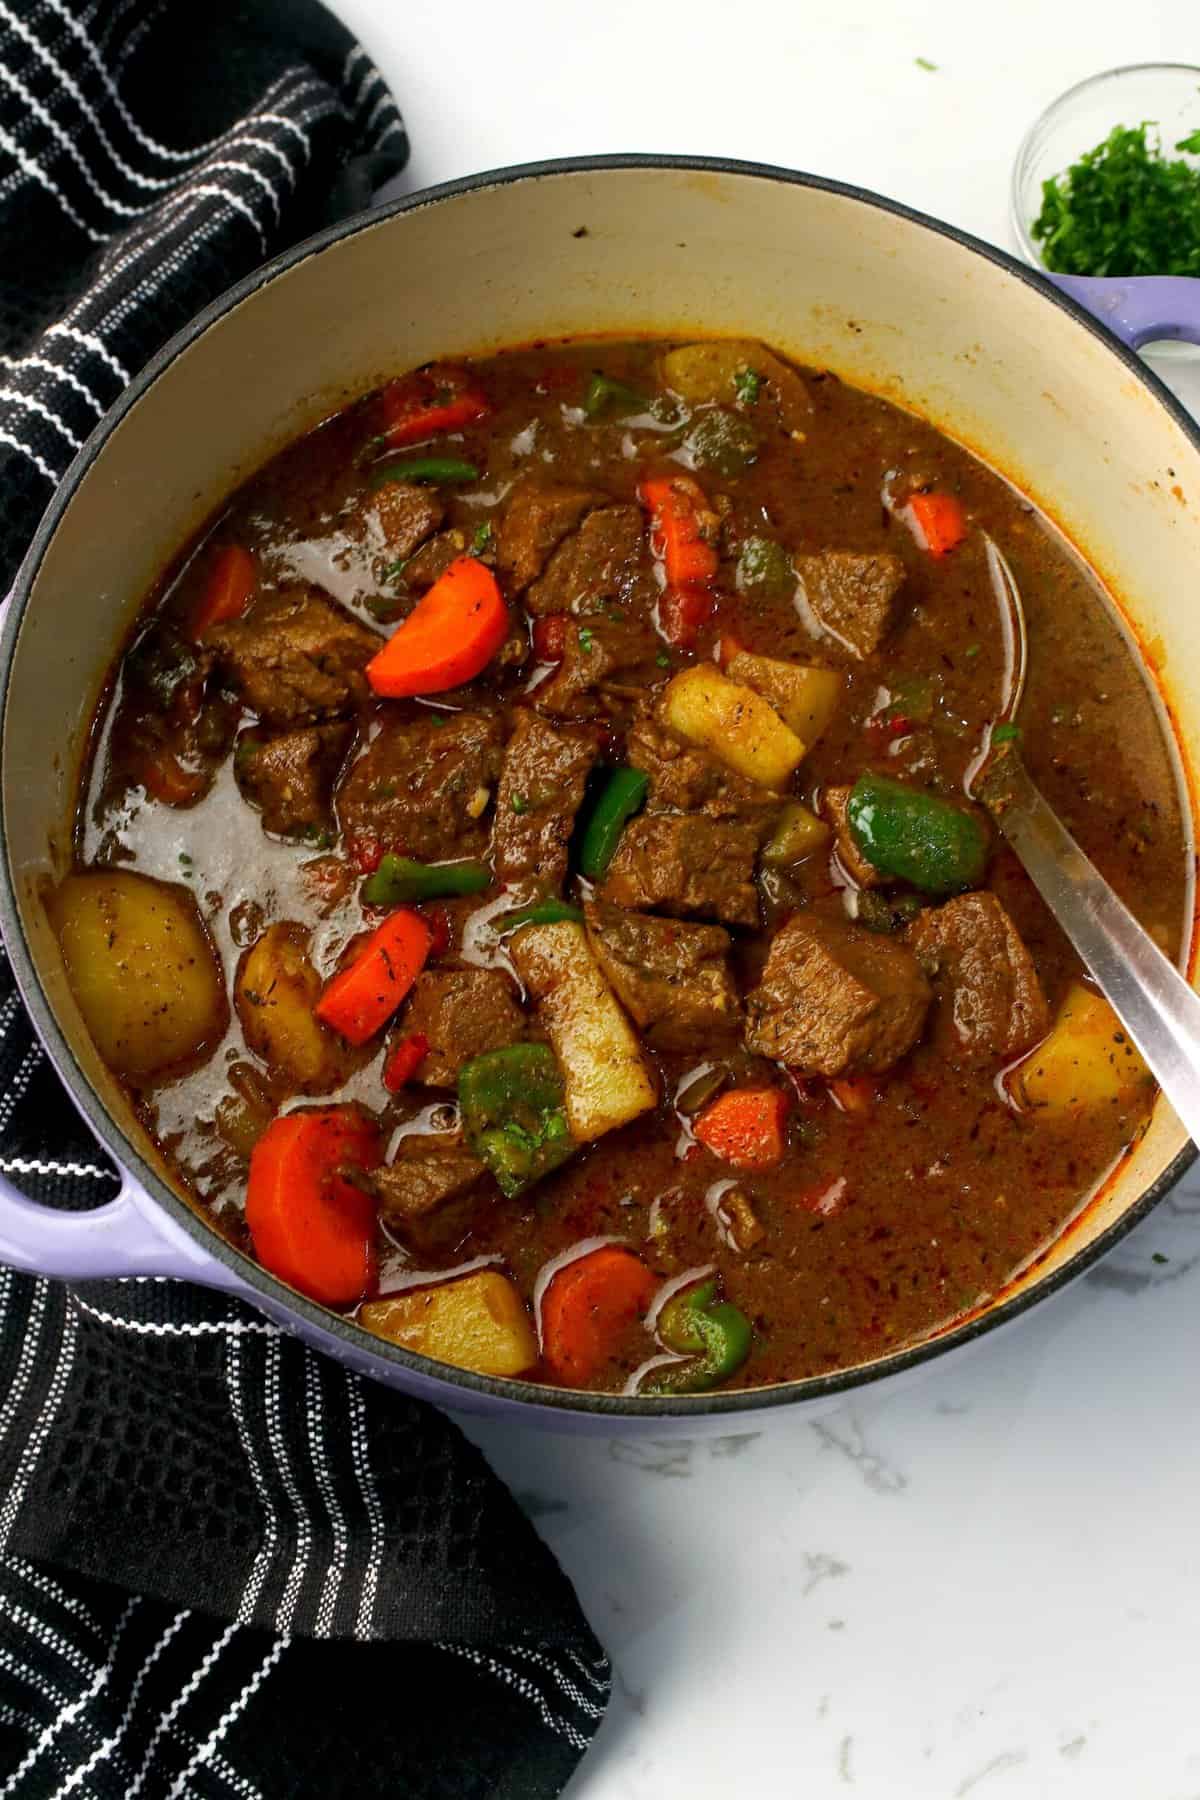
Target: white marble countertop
x=989, y=1582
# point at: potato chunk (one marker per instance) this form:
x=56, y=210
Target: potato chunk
x=605, y=1072
x=735, y=723
x=142, y=968
x=1088, y=1060
x=478, y=1322
x=275, y=992
x=805, y=698
x=716, y=371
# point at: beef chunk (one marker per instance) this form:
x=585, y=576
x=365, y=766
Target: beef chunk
x=536, y=520
x=421, y=788
x=611, y=658
x=990, y=1004
x=605, y=563
x=834, y=802
x=684, y=778
x=685, y=863
x=396, y=518
x=541, y=787
x=836, y=1000
x=853, y=595
x=433, y=559
x=672, y=979
x=429, y=1196
x=462, y=1012
x=295, y=658
x=290, y=778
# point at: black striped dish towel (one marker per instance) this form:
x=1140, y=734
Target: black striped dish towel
x=228, y=1568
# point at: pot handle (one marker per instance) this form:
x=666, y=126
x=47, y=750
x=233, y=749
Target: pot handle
x=1140, y=309
x=128, y=1235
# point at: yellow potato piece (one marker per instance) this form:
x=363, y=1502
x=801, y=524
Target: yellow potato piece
x=477, y=1322
x=1087, y=1061
x=142, y=968
x=798, y=833
x=605, y=1072
x=734, y=722
x=275, y=992
x=805, y=698
x=709, y=372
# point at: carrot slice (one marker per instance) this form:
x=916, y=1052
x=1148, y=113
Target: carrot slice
x=448, y=637
x=231, y=581
x=745, y=1127
x=427, y=402
x=939, y=522
x=855, y=1094
x=587, y=1305
x=404, y=1060
x=675, y=504
x=364, y=996
x=164, y=778
x=309, y=1224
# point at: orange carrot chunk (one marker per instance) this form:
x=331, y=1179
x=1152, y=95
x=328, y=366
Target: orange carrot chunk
x=854, y=1094
x=586, y=1307
x=427, y=402
x=363, y=997
x=231, y=582
x=449, y=637
x=675, y=504
x=939, y=522
x=404, y=1060
x=309, y=1224
x=744, y=1126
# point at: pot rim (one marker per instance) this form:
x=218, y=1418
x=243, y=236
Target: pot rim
x=126, y=1155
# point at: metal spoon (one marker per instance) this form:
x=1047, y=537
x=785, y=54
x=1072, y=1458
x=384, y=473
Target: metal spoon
x=1157, y=1007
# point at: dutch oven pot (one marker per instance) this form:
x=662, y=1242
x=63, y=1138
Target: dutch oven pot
x=985, y=348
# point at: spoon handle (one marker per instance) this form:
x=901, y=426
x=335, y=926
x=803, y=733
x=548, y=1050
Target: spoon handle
x=1156, y=1005
x=1140, y=309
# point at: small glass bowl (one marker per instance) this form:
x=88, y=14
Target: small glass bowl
x=1165, y=94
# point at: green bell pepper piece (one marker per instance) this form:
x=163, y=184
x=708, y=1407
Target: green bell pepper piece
x=513, y=1113
x=398, y=881
x=542, y=912
x=434, y=469
x=915, y=836
x=607, y=396
x=764, y=567
x=723, y=441
x=621, y=796
x=716, y=1334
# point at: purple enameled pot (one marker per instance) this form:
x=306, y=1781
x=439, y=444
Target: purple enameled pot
x=989, y=350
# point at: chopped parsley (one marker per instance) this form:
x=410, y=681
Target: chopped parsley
x=482, y=538
x=1124, y=208
x=587, y=640
x=395, y=570
x=1158, y=1257
x=519, y=804
x=923, y=62
x=1006, y=734
x=663, y=660
x=972, y=649
x=747, y=384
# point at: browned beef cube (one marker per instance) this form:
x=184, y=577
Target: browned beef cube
x=605, y=563
x=395, y=518
x=429, y=1196
x=673, y=979
x=613, y=657
x=684, y=778
x=853, y=595
x=295, y=658
x=290, y=778
x=536, y=520
x=686, y=863
x=541, y=787
x=462, y=1012
x=834, y=804
x=421, y=788
x=835, y=999
x=990, y=1004
x=433, y=559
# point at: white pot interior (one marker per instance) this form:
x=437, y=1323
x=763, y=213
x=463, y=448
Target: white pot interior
x=837, y=282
